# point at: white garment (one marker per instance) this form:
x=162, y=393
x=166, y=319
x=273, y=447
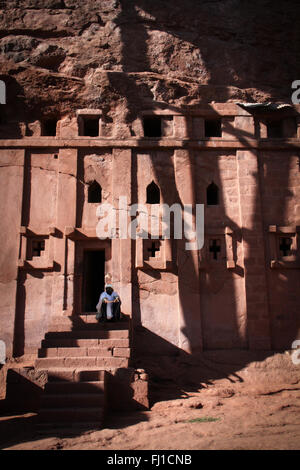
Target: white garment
x=109, y=305
x=2, y=352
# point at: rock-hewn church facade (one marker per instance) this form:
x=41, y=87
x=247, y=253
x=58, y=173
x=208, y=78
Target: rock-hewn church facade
x=240, y=291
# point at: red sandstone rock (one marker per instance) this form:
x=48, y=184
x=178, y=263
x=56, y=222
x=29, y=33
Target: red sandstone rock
x=121, y=352
x=117, y=62
x=99, y=54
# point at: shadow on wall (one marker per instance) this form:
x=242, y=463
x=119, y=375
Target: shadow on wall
x=253, y=233
x=145, y=17
x=269, y=322
x=218, y=41
x=212, y=42
x=172, y=371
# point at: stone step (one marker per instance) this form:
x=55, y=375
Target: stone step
x=74, y=374
x=69, y=388
x=88, y=334
x=81, y=400
x=69, y=415
x=75, y=324
x=74, y=352
x=71, y=342
x=85, y=319
x=73, y=362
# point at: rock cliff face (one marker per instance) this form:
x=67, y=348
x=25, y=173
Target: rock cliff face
x=121, y=55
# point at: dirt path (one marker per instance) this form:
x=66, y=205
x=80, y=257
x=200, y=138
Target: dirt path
x=237, y=417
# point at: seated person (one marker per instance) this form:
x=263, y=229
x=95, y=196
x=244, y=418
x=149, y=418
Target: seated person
x=108, y=307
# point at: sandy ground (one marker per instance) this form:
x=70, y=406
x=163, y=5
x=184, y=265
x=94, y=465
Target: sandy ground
x=246, y=417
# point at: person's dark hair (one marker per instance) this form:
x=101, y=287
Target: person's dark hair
x=109, y=290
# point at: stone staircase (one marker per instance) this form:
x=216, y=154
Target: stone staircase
x=77, y=354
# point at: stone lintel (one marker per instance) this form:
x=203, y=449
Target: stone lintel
x=152, y=143
x=286, y=229
x=291, y=263
x=89, y=112
x=38, y=231
x=79, y=233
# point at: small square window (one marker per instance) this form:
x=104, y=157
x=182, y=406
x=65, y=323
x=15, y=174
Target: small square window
x=91, y=126
x=213, y=128
x=290, y=127
x=49, y=127
x=152, y=126
x=274, y=129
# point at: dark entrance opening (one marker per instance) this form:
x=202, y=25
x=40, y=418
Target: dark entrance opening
x=213, y=128
x=274, y=129
x=93, y=279
x=153, y=194
x=152, y=126
x=49, y=127
x=91, y=127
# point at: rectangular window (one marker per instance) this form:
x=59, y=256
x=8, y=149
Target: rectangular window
x=290, y=127
x=91, y=126
x=213, y=127
x=49, y=127
x=152, y=126
x=274, y=129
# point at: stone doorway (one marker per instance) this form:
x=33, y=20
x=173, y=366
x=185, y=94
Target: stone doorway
x=92, y=263
x=92, y=278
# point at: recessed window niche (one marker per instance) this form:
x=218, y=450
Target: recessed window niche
x=212, y=195
x=153, y=194
x=94, y=192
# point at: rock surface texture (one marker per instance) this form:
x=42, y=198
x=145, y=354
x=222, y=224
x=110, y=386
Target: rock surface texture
x=118, y=55
x=151, y=100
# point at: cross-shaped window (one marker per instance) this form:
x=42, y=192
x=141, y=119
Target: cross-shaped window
x=285, y=246
x=152, y=251
x=215, y=248
x=37, y=247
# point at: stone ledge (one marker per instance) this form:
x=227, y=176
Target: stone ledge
x=149, y=143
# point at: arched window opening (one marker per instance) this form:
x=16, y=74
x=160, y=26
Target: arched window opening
x=94, y=192
x=212, y=195
x=153, y=194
